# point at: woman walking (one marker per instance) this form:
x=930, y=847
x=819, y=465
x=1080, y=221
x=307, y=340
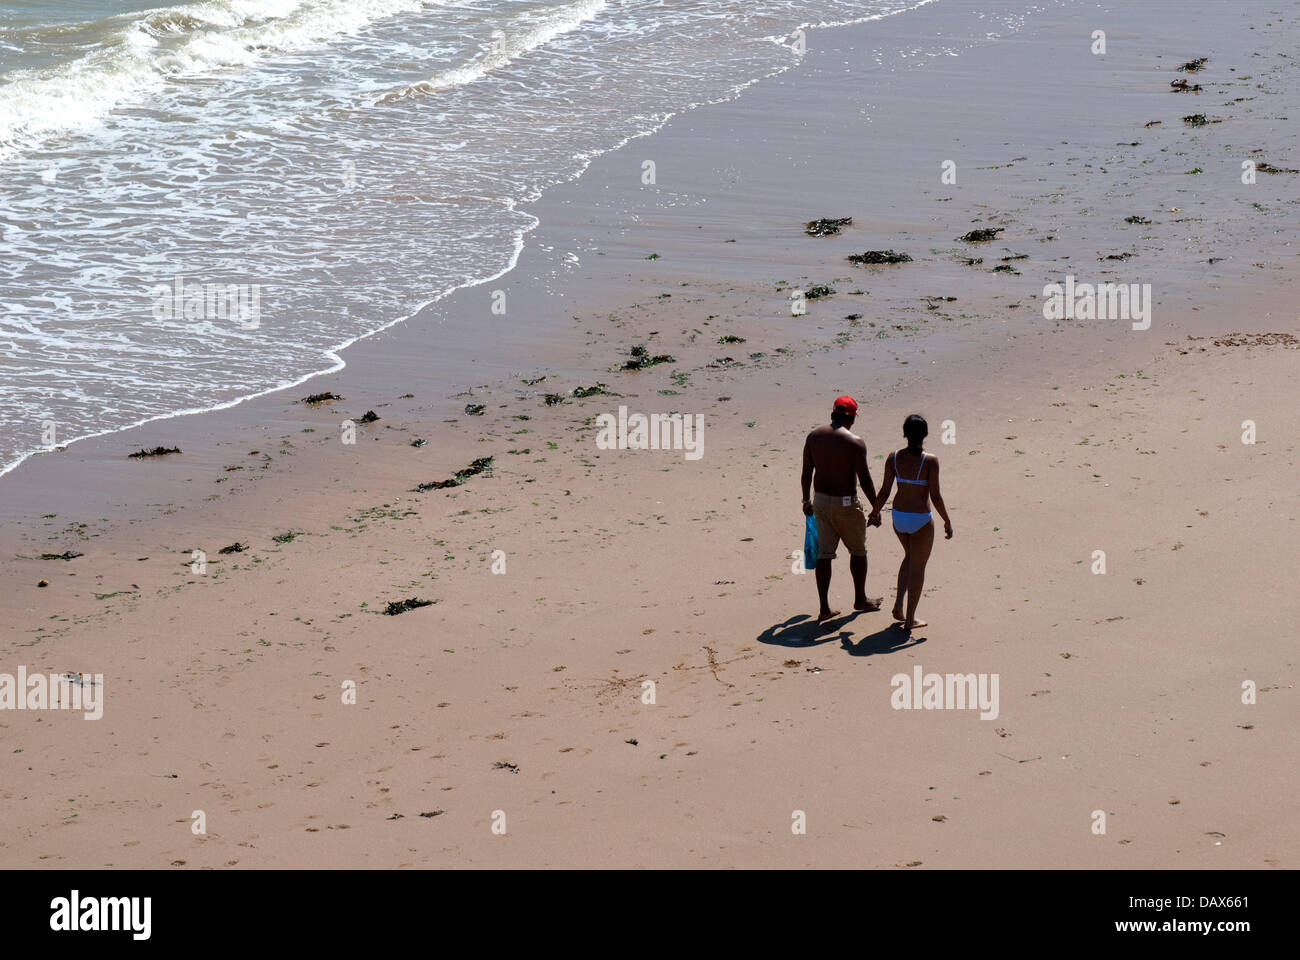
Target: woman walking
x=917, y=473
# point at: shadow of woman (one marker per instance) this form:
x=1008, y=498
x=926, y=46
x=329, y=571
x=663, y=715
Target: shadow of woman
x=889, y=640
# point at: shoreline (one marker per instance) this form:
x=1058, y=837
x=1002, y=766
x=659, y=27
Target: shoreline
x=630, y=566
x=334, y=353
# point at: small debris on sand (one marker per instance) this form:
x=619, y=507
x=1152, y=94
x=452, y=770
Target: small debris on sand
x=316, y=398
x=155, y=452
x=66, y=555
x=235, y=547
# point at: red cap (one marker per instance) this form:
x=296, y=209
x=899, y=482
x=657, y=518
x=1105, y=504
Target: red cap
x=846, y=404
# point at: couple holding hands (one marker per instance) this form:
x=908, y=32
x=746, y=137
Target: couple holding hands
x=834, y=462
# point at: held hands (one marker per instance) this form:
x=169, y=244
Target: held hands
x=874, y=519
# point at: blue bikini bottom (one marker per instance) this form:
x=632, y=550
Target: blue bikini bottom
x=910, y=522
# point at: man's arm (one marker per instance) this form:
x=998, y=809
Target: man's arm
x=805, y=479
x=864, y=472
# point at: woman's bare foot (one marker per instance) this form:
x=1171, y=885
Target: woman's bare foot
x=898, y=612
x=867, y=604
x=913, y=624
x=827, y=614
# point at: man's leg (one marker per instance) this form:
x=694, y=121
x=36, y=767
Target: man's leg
x=823, y=588
x=858, y=567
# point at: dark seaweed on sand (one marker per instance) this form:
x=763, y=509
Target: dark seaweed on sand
x=731, y=338
x=982, y=235
x=826, y=226
x=553, y=398
x=66, y=555
x=641, y=358
x=235, y=547
x=284, y=537
x=1195, y=120
x=1182, y=86
x=321, y=398
x=475, y=468
x=1192, y=66
x=369, y=417
x=401, y=606
x=878, y=256
x=817, y=291
x=475, y=409
x=594, y=391
x=1136, y=219
x=155, y=452
x=1265, y=167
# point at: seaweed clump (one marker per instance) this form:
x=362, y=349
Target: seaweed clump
x=474, y=469
x=818, y=290
x=235, y=547
x=155, y=452
x=1196, y=120
x=826, y=226
x=640, y=358
x=594, y=391
x=475, y=409
x=1193, y=66
x=878, y=256
x=982, y=235
x=316, y=398
x=66, y=555
x=1136, y=219
x=401, y=606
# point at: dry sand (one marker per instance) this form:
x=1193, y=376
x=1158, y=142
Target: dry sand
x=1119, y=692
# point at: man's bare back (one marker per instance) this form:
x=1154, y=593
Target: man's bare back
x=839, y=458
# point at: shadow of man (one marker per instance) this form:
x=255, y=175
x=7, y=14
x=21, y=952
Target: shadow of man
x=802, y=630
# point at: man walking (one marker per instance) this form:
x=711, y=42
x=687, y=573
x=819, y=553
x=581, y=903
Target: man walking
x=834, y=461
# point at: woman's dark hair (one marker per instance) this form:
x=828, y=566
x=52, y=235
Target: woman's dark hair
x=915, y=429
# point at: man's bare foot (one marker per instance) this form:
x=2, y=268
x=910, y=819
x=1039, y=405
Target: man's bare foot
x=898, y=612
x=867, y=604
x=827, y=614
x=912, y=625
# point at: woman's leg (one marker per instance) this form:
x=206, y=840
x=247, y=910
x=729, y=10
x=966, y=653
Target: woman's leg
x=918, y=554
x=902, y=576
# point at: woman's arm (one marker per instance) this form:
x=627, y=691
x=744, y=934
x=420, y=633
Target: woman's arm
x=886, y=485
x=937, y=496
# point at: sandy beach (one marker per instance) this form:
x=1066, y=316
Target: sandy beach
x=618, y=664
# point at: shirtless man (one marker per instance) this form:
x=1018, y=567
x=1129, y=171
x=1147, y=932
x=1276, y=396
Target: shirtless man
x=834, y=461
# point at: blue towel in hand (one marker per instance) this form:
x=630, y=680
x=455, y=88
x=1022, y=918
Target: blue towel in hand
x=810, y=547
